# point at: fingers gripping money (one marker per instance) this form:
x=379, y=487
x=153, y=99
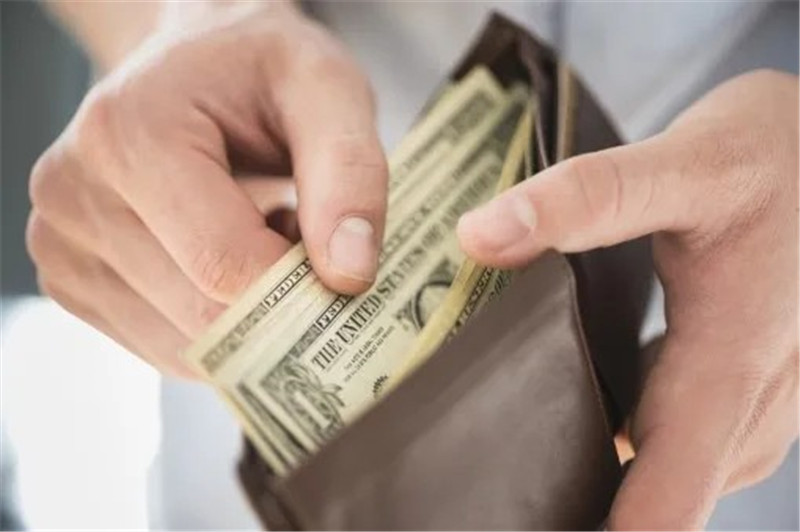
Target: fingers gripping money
x=297, y=362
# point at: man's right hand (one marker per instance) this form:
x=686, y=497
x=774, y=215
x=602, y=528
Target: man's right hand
x=141, y=225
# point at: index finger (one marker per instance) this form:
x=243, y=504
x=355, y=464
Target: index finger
x=327, y=113
x=592, y=200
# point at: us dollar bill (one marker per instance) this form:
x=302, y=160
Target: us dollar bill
x=474, y=285
x=317, y=376
x=219, y=353
x=465, y=108
x=275, y=357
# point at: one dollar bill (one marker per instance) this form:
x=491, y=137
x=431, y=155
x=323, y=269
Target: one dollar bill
x=296, y=362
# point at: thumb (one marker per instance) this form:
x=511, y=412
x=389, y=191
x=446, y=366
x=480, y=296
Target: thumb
x=592, y=200
x=686, y=432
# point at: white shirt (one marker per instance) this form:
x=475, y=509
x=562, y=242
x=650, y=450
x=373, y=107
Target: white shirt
x=642, y=59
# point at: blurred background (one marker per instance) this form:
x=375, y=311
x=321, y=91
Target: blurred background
x=91, y=437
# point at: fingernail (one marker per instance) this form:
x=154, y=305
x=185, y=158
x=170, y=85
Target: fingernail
x=501, y=223
x=352, y=250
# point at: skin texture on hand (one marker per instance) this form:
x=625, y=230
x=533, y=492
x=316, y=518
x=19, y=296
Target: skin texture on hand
x=143, y=223
x=719, y=191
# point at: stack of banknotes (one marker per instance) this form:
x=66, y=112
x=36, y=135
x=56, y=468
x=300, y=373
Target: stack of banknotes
x=297, y=362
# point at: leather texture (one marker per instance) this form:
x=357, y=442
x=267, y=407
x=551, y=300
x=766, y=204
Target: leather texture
x=510, y=425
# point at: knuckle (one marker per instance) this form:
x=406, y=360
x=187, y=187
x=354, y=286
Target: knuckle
x=314, y=61
x=40, y=184
x=274, y=41
x=326, y=61
x=221, y=272
x=335, y=69
x=359, y=152
x=94, y=125
x=95, y=115
x=599, y=184
x=36, y=236
x=323, y=59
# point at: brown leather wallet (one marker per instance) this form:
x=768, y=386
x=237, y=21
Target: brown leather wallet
x=510, y=425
